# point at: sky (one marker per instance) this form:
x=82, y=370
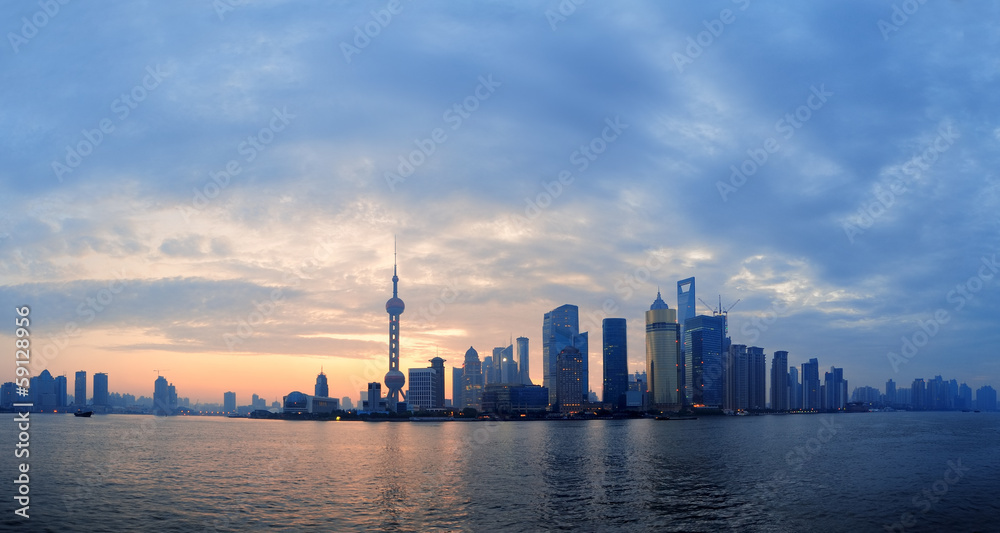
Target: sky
x=212, y=191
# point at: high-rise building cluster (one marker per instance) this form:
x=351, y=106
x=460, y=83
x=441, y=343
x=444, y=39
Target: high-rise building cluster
x=928, y=395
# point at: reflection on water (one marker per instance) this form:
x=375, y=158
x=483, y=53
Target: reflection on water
x=776, y=473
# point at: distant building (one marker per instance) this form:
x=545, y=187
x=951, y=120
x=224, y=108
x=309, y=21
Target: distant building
x=561, y=328
x=836, y=390
x=569, y=380
x=346, y=404
x=890, y=392
x=161, y=398
x=779, y=381
x=964, y=397
x=101, y=390
x=229, y=402
x=508, y=366
x=42, y=390
x=373, y=399
x=663, y=355
x=986, y=398
x=515, y=399
x=811, y=394
x=297, y=403
x=615, y=361
x=322, y=388
x=472, y=379
x=437, y=364
x=61, y=387
x=8, y=394
x=794, y=389
x=756, y=378
x=736, y=375
x=523, y=360
x=80, y=389
x=456, y=387
x=489, y=369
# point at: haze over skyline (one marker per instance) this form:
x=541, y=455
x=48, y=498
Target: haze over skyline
x=256, y=160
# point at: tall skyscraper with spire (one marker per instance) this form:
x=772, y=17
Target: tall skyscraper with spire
x=663, y=355
x=322, y=388
x=394, y=379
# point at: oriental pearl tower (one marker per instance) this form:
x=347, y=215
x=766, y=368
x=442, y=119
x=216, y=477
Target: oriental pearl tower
x=394, y=379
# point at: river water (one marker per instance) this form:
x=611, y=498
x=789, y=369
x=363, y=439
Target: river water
x=932, y=471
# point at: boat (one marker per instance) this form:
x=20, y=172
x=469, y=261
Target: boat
x=85, y=414
x=677, y=418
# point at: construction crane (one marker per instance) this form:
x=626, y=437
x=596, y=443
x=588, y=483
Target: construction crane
x=717, y=311
x=158, y=371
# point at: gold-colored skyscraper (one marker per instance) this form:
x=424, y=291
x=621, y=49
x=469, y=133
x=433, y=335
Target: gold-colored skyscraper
x=663, y=355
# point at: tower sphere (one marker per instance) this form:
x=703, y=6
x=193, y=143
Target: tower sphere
x=394, y=306
x=394, y=379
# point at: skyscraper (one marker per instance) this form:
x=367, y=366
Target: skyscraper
x=457, y=386
x=101, y=389
x=489, y=369
x=836, y=390
x=523, y=360
x=703, y=348
x=394, y=379
x=437, y=364
x=811, y=394
x=561, y=328
x=161, y=398
x=662, y=355
x=508, y=366
x=472, y=378
x=736, y=374
x=890, y=392
x=756, y=378
x=569, y=380
x=615, y=360
x=779, y=381
x=229, y=402
x=321, y=388
x=986, y=398
x=794, y=389
x=686, y=310
x=61, y=385
x=80, y=390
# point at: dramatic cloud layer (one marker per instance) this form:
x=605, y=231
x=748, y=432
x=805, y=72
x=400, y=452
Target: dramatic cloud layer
x=213, y=188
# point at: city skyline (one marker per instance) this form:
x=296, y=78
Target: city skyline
x=235, y=217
